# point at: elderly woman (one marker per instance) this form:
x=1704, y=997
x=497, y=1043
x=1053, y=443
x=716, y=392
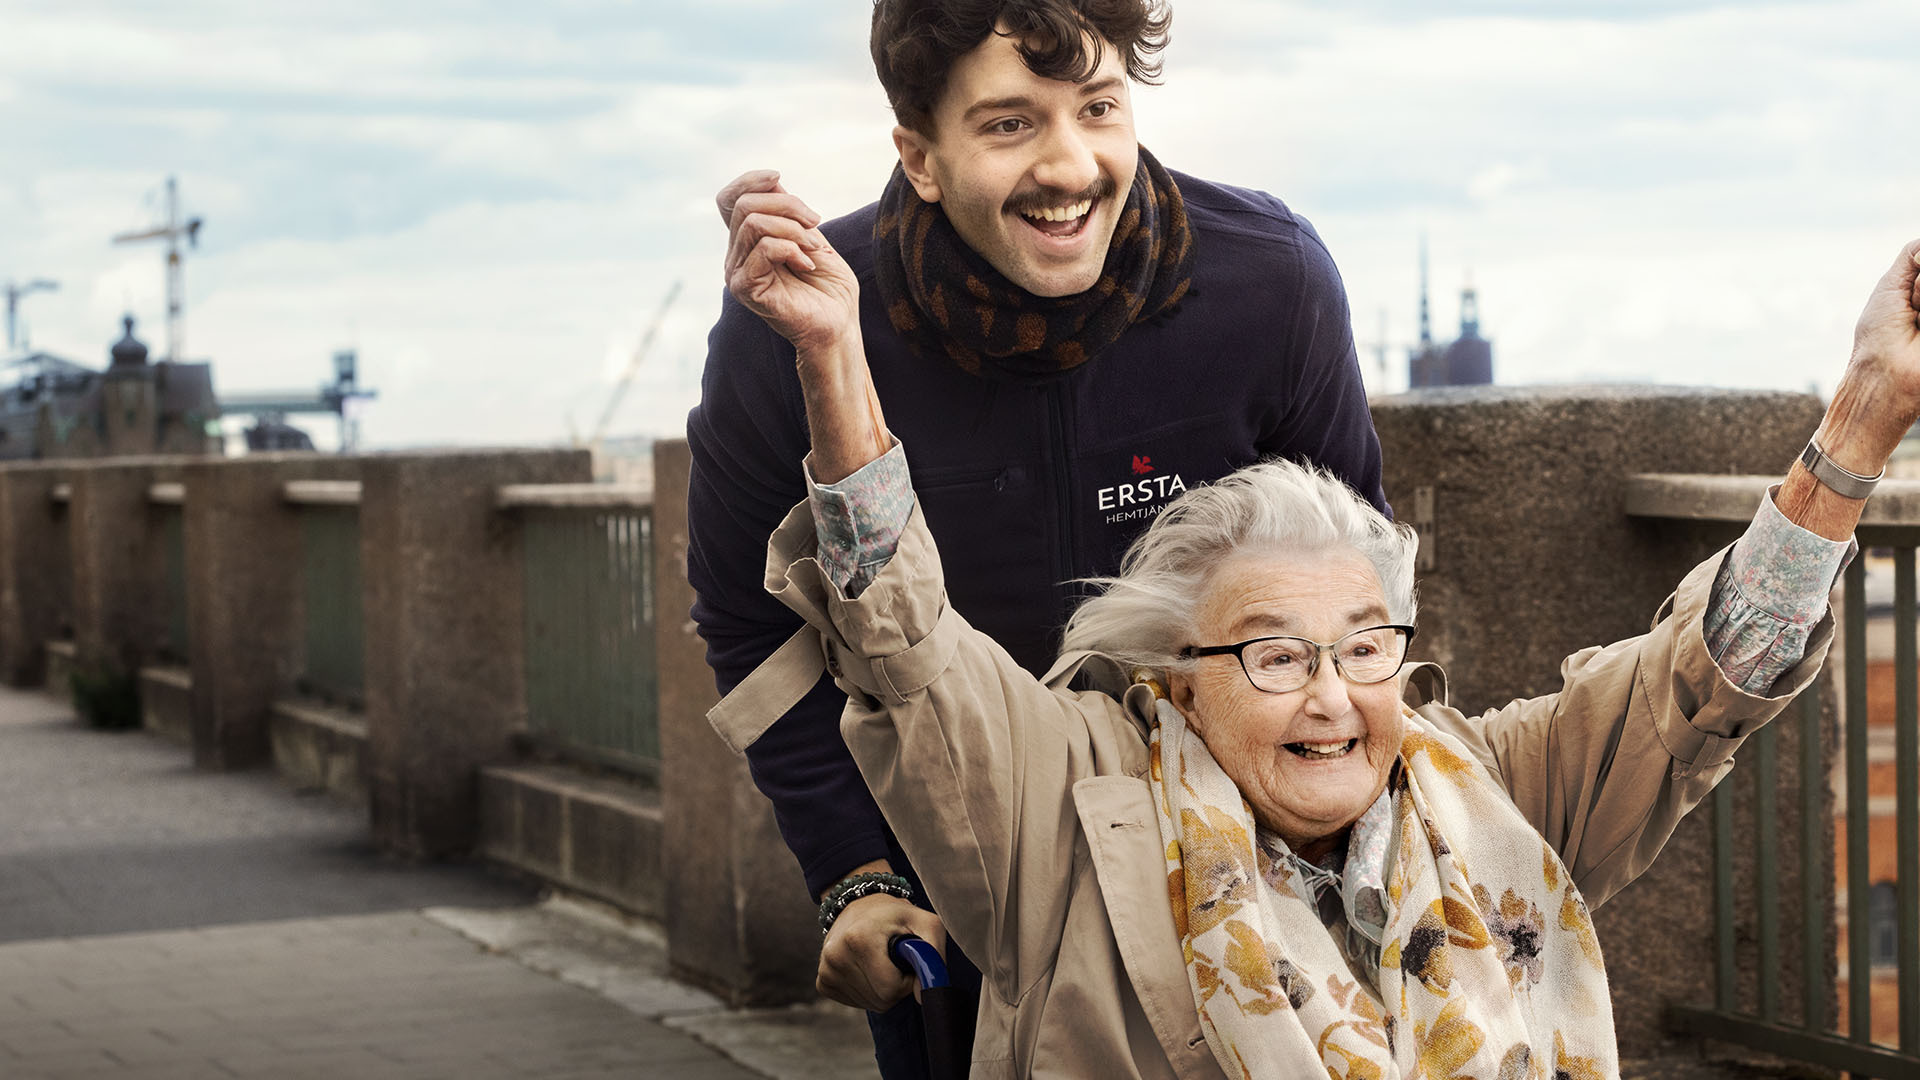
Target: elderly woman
x=1239, y=852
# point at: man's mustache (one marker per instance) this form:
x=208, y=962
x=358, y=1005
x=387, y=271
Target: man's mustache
x=1046, y=199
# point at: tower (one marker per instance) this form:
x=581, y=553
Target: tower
x=129, y=405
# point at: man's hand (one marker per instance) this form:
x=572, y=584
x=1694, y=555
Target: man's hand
x=854, y=966
x=781, y=267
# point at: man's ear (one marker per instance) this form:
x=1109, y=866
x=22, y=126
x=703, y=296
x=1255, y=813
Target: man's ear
x=916, y=152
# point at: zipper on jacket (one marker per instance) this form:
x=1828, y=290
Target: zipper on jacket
x=1064, y=563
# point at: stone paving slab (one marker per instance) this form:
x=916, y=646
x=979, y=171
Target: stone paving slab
x=393, y=996
x=109, y=832
x=161, y=923
x=625, y=960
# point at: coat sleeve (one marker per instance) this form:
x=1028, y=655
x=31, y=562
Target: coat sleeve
x=971, y=758
x=1638, y=734
x=1327, y=421
x=747, y=438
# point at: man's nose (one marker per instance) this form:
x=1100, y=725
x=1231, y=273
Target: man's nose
x=1066, y=161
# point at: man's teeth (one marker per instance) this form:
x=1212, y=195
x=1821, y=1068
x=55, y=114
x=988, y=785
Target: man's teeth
x=1061, y=213
x=1322, y=749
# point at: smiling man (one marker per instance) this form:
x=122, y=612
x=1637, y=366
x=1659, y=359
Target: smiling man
x=1066, y=332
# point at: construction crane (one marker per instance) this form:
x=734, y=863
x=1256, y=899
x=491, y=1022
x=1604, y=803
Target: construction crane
x=1379, y=346
x=14, y=293
x=633, y=365
x=171, y=231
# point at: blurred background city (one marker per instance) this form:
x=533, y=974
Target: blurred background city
x=488, y=203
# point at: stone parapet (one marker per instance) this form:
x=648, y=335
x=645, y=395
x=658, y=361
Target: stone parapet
x=592, y=834
x=320, y=747
x=245, y=596
x=738, y=918
x=36, y=568
x=166, y=702
x=444, y=624
x=1520, y=497
x=118, y=553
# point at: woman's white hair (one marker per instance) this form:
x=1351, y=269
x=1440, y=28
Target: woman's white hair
x=1145, y=616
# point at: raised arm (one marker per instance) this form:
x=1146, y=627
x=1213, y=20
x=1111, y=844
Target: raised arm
x=793, y=300
x=1643, y=729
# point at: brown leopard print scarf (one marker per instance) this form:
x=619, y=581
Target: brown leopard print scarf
x=947, y=300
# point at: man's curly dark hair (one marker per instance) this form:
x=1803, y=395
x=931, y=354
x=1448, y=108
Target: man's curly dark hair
x=915, y=42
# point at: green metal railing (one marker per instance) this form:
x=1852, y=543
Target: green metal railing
x=1892, y=521
x=592, y=687
x=330, y=527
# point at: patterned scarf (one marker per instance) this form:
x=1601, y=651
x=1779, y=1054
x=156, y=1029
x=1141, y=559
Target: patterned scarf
x=947, y=300
x=1490, y=962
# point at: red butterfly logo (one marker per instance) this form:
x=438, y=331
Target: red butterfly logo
x=1142, y=465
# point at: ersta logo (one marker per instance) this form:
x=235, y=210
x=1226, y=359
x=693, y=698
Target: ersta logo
x=1138, y=498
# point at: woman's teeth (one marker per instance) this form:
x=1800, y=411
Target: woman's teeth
x=1322, y=749
x=1060, y=213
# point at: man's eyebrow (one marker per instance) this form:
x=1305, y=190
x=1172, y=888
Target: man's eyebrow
x=995, y=105
x=1092, y=89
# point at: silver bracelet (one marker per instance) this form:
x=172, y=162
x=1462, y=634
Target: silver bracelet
x=1847, y=485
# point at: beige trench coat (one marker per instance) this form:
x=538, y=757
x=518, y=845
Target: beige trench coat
x=1027, y=812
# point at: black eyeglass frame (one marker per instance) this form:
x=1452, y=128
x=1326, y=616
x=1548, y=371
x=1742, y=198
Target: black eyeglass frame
x=1238, y=652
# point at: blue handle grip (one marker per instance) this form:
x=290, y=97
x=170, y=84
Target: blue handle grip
x=915, y=955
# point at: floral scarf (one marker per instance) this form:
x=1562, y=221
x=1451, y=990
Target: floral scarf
x=1489, y=966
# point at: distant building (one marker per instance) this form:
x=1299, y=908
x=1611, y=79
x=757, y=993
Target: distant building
x=60, y=409
x=1883, y=912
x=1468, y=361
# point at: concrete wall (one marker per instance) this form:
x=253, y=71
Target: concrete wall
x=444, y=634
x=36, y=575
x=1534, y=558
x=245, y=596
x=118, y=546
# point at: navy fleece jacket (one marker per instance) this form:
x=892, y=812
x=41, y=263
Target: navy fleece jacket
x=1025, y=487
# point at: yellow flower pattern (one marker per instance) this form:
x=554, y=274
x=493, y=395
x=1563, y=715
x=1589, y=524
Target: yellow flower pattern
x=1476, y=971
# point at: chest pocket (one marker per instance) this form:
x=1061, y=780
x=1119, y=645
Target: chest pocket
x=993, y=546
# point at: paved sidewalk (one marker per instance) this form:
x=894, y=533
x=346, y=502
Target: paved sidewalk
x=156, y=922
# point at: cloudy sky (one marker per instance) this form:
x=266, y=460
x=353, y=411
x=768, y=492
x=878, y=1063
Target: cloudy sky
x=489, y=200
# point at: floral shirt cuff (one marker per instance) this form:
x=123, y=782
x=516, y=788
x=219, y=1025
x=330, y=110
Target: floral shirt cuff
x=859, y=519
x=1770, y=595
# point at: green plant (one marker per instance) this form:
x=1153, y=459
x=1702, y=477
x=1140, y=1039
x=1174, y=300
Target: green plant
x=106, y=699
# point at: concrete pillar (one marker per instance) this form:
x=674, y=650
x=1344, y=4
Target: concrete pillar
x=36, y=580
x=1519, y=497
x=737, y=918
x=119, y=563
x=445, y=629
x=245, y=596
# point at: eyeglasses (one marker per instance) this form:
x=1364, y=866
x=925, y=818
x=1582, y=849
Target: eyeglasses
x=1280, y=665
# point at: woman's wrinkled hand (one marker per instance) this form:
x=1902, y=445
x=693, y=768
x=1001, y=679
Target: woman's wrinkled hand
x=782, y=268
x=1878, y=398
x=1888, y=333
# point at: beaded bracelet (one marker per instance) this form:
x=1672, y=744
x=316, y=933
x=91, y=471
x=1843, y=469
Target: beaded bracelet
x=856, y=886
